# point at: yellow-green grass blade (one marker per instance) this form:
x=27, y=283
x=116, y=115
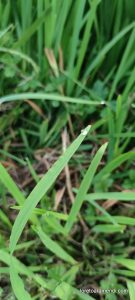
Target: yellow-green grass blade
x=131, y=289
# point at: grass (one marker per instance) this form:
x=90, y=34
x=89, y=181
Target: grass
x=65, y=65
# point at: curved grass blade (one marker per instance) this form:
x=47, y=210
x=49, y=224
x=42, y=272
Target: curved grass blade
x=22, y=56
x=85, y=185
x=41, y=188
x=45, y=96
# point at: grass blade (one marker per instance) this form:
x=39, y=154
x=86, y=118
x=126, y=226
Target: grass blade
x=86, y=37
x=107, y=48
x=120, y=219
x=22, y=56
x=86, y=182
x=30, y=31
x=21, y=268
x=131, y=289
x=9, y=183
x=41, y=188
x=53, y=246
x=108, y=228
x=112, y=165
x=17, y=284
x=124, y=196
x=106, y=214
x=126, y=262
x=45, y=96
x=79, y=8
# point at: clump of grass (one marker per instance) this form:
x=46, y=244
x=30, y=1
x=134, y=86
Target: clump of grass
x=27, y=212
x=67, y=64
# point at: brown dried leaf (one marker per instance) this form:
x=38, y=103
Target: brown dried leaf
x=35, y=107
x=58, y=197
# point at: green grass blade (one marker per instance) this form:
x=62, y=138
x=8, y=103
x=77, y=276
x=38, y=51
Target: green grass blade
x=9, y=183
x=14, y=157
x=108, y=228
x=53, y=246
x=100, y=57
x=46, y=213
x=65, y=291
x=131, y=289
x=30, y=31
x=21, y=268
x=45, y=96
x=119, y=219
x=41, y=188
x=17, y=284
x=79, y=8
x=85, y=185
x=123, y=63
x=124, y=196
x=112, y=165
x=105, y=213
x=22, y=56
x=32, y=170
x=126, y=262
x=61, y=22
x=40, y=33
x=3, y=32
x=4, y=219
x=86, y=37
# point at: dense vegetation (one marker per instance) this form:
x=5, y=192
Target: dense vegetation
x=66, y=65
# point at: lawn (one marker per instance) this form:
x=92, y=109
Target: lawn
x=67, y=149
